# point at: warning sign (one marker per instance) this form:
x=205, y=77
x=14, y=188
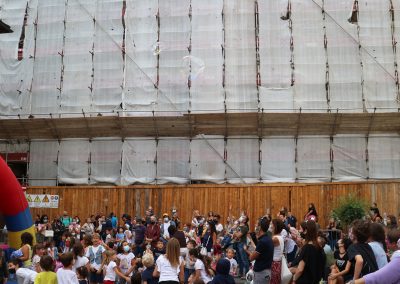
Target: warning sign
x=42, y=200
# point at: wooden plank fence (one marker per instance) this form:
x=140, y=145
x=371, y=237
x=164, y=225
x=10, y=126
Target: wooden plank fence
x=255, y=199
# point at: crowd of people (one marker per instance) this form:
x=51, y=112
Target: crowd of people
x=279, y=249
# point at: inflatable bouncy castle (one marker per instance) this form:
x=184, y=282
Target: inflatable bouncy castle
x=14, y=207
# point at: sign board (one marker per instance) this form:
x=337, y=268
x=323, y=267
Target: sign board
x=42, y=200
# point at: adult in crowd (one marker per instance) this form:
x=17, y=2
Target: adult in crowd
x=342, y=270
x=263, y=254
x=312, y=258
x=152, y=234
x=164, y=234
x=140, y=231
x=360, y=253
x=208, y=236
x=240, y=245
x=65, y=219
x=276, y=228
x=312, y=213
x=26, y=249
x=390, y=273
x=377, y=241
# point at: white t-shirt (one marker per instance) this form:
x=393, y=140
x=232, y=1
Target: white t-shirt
x=66, y=276
x=95, y=249
x=234, y=264
x=35, y=262
x=25, y=276
x=110, y=273
x=199, y=265
x=278, y=250
x=125, y=262
x=79, y=262
x=167, y=272
x=219, y=228
x=379, y=252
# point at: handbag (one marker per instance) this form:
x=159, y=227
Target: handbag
x=203, y=250
x=286, y=275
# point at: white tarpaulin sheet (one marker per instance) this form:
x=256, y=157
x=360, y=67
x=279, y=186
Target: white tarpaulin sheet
x=212, y=159
x=173, y=160
x=142, y=48
x=278, y=159
x=76, y=92
x=73, y=161
x=310, y=59
x=377, y=55
x=384, y=157
x=206, y=58
x=313, y=159
x=138, y=161
x=105, y=161
x=345, y=90
x=240, y=56
x=176, y=56
x=349, y=158
x=43, y=163
x=173, y=67
x=207, y=159
x=243, y=160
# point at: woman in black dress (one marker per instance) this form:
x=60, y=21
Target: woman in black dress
x=312, y=258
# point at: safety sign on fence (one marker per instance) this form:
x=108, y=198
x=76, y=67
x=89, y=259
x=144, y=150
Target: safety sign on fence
x=42, y=200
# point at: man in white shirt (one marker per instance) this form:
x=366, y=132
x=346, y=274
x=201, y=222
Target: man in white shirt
x=164, y=228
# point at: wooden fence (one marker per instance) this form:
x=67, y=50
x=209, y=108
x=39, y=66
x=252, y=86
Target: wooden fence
x=255, y=199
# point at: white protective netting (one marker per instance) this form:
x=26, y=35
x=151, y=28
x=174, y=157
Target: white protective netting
x=73, y=161
x=43, y=163
x=175, y=56
x=212, y=159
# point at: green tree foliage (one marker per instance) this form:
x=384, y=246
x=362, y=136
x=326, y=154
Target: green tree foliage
x=350, y=208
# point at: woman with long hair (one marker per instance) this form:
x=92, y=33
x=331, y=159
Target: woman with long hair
x=170, y=267
x=312, y=214
x=208, y=236
x=342, y=270
x=276, y=227
x=26, y=249
x=312, y=258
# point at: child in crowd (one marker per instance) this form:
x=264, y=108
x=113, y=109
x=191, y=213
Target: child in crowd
x=109, y=238
x=95, y=255
x=82, y=273
x=230, y=254
x=158, y=250
x=39, y=251
x=189, y=265
x=65, y=275
x=47, y=275
x=24, y=275
x=126, y=260
x=120, y=236
x=111, y=268
x=147, y=273
x=201, y=265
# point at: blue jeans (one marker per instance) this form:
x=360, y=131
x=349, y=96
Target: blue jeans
x=188, y=272
x=242, y=258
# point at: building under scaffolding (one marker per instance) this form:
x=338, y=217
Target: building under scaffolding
x=181, y=91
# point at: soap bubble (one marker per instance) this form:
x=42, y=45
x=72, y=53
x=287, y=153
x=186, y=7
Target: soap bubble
x=157, y=47
x=196, y=66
